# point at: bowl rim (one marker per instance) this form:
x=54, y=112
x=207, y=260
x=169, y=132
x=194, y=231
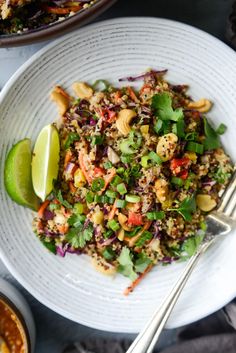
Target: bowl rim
x=6, y=301
x=56, y=28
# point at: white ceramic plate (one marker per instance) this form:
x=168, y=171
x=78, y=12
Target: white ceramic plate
x=111, y=50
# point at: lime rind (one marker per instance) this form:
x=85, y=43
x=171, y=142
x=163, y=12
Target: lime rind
x=17, y=175
x=45, y=161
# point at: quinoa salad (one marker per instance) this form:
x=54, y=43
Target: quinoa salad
x=17, y=16
x=139, y=170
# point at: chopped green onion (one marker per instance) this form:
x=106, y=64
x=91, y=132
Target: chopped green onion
x=107, y=165
x=79, y=208
x=114, y=225
x=120, y=203
x=132, y=198
x=155, y=157
x=89, y=197
x=116, y=180
x=97, y=140
x=195, y=147
x=158, y=126
x=221, y=129
x=72, y=137
x=191, y=136
x=126, y=147
x=166, y=127
x=111, y=194
x=108, y=254
x=101, y=85
x=144, y=161
x=178, y=128
x=177, y=181
x=120, y=170
x=126, y=159
x=108, y=234
x=155, y=215
x=98, y=184
x=121, y=188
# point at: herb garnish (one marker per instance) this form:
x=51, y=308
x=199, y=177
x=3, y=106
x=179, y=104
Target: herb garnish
x=162, y=106
x=186, y=208
x=126, y=266
x=78, y=236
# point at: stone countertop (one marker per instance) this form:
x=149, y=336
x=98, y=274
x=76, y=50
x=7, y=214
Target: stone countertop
x=53, y=331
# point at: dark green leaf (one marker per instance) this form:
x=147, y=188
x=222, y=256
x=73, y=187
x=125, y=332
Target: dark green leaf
x=76, y=220
x=50, y=246
x=162, y=106
x=126, y=266
x=186, y=208
x=62, y=201
x=142, y=263
x=72, y=137
x=143, y=238
x=211, y=141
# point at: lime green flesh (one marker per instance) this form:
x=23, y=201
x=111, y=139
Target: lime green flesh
x=17, y=175
x=45, y=161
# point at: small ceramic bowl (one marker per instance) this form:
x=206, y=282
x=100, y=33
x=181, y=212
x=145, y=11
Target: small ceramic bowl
x=58, y=28
x=14, y=301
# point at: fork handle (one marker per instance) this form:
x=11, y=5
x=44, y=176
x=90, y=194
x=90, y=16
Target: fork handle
x=147, y=338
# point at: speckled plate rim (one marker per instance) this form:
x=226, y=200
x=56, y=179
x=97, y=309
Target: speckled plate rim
x=4, y=93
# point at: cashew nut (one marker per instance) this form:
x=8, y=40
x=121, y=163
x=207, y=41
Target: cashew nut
x=202, y=105
x=82, y=90
x=122, y=220
x=205, y=202
x=61, y=101
x=112, y=156
x=166, y=146
x=161, y=189
x=124, y=118
x=121, y=234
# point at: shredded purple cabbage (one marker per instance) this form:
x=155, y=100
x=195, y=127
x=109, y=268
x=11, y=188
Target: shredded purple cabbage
x=142, y=76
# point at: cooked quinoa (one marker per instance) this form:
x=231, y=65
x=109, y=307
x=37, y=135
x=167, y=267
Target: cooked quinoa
x=17, y=16
x=139, y=170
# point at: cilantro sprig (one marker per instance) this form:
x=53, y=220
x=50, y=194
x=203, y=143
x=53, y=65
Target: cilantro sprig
x=78, y=237
x=212, y=140
x=186, y=208
x=162, y=107
x=62, y=200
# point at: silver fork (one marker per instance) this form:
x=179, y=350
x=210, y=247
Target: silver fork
x=219, y=222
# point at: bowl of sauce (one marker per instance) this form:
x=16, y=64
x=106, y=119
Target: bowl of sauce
x=17, y=330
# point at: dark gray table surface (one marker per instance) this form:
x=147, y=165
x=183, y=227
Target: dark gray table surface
x=53, y=331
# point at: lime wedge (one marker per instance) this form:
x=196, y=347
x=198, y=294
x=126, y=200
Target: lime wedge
x=17, y=175
x=45, y=161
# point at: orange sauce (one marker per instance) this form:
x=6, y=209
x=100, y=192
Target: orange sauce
x=11, y=330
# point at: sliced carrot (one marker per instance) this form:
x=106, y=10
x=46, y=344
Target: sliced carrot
x=146, y=86
x=117, y=96
x=61, y=10
x=132, y=94
x=62, y=228
x=60, y=90
x=131, y=241
x=83, y=168
x=99, y=171
x=72, y=187
x=112, y=213
x=133, y=285
x=68, y=157
x=108, y=177
x=42, y=208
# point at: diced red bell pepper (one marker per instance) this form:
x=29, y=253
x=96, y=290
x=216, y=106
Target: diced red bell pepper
x=135, y=219
x=99, y=171
x=177, y=165
x=183, y=174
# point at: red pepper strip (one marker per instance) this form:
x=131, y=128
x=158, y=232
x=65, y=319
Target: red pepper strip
x=61, y=10
x=135, y=219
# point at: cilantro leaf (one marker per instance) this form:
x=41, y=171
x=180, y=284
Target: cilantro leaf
x=143, y=238
x=186, y=208
x=126, y=266
x=78, y=236
x=212, y=140
x=62, y=201
x=50, y=246
x=72, y=137
x=76, y=220
x=190, y=246
x=162, y=106
x=221, y=177
x=142, y=263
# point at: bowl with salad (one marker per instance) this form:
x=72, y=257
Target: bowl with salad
x=27, y=21
x=114, y=161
